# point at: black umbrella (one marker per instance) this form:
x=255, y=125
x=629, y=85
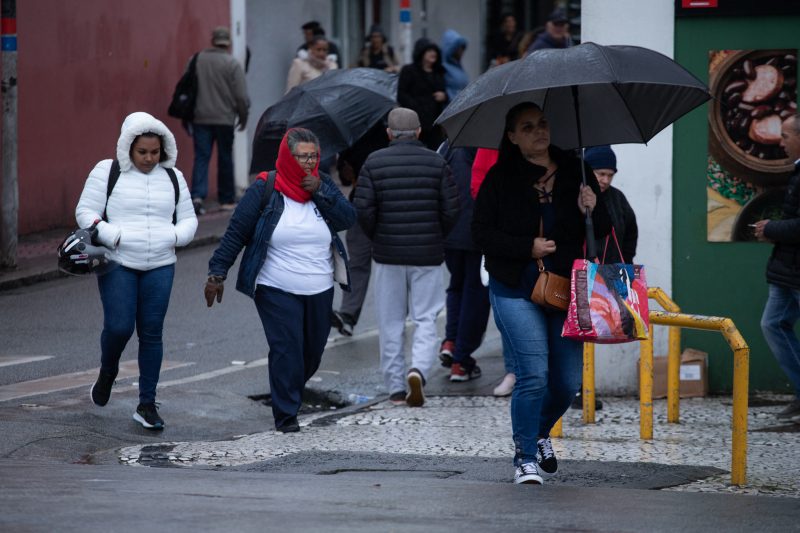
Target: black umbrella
x=339, y=107
x=590, y=94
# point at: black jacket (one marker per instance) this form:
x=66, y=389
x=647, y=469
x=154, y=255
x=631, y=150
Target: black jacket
x=783, y=267
x=406, y=202
x=624, y=220
x=415, y=87
x=506, y=217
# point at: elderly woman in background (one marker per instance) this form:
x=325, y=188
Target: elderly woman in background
x=531, y=206
x=145, y=216
x=289, y=265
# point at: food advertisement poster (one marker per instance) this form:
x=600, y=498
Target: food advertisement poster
x=753, y=91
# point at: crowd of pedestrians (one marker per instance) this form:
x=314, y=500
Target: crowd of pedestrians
x=495, y=219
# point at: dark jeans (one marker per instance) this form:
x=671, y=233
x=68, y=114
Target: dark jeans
x=467, y=302
x=297, y=328
x=135, y=298
x=204, y=136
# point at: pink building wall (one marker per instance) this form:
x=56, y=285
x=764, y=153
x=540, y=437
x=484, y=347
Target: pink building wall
x=82, y=67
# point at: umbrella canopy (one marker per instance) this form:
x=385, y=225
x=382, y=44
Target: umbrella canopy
x=590, y=94
x=339, y=107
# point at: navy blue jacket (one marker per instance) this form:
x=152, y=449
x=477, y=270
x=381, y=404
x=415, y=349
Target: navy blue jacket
x=460, y=160
x=252, y=230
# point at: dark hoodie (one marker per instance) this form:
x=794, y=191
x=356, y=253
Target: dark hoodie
x=415, y=89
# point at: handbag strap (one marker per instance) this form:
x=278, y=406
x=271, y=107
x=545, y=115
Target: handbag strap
x=541, y=234
x=605, y=249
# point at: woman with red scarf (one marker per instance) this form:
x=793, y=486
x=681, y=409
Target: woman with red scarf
x=292, y=256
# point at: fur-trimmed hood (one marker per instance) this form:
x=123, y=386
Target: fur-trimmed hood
x=134, y=125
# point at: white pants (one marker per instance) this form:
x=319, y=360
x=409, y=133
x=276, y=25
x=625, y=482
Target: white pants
x=401, y=290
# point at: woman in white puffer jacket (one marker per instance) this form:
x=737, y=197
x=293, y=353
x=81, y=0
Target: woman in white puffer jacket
x=139, y=227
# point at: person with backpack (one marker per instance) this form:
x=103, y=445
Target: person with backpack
x=287, y=223
x=142, y=210
x=221, y=101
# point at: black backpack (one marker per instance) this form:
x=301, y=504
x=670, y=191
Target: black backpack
x=113, y=176
x=185, y=95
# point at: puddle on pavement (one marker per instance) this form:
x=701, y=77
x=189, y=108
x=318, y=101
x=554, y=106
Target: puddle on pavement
x=314, y=401
x=157, y=455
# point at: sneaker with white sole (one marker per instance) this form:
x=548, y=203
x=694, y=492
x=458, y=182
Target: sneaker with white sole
x=546, y=458
x=528, y=473
x=147, y=415
x=506, y=387
x=415, y=396
x=458, y=372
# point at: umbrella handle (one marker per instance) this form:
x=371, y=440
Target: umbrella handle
x=591, y=246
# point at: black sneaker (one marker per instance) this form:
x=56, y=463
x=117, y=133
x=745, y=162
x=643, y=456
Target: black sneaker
x=398, y=398
x=101, y=390
x=343, y=322
x=290, y=426
x=577, y=403
x=147, y=415
x=546, y=458
x=790, y=412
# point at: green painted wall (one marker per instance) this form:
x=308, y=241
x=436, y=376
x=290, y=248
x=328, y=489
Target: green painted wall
x=721, y=279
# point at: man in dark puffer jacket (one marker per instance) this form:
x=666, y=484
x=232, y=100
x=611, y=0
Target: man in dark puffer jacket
x=407, y=202
x=783, y=273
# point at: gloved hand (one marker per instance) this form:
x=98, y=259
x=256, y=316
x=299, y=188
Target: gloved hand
x=93, y=232
x=214, y=288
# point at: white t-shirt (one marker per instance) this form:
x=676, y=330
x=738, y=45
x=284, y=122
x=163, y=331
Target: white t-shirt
x=299, y=258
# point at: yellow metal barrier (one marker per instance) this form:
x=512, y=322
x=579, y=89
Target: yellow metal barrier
x=673, y=365
x=673, y=354
x=741, y=370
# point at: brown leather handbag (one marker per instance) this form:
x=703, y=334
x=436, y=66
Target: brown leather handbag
x=551, y=290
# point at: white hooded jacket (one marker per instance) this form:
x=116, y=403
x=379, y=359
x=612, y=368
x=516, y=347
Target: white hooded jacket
x=140, y=207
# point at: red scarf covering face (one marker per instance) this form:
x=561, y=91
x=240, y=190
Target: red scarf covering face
x=290, y=173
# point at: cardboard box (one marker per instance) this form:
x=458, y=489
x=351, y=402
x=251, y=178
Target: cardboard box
x=693, y=374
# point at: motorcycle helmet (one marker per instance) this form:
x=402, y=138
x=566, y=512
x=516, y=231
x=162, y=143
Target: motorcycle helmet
x=78, y=256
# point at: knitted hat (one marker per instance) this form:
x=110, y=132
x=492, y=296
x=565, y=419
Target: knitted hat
x=600, y=157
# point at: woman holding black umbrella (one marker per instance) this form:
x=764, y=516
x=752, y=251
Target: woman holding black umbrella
x=531, y=206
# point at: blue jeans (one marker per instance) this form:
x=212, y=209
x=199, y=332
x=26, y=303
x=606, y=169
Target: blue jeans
x=777, y=323
x=204, y=136
x=547, y=367
x=297, y=328
x=135, y=298
x=467, y=303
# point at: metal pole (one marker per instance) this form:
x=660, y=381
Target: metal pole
x=673, y=355
x=405, y=31
x=646, y=387
x=10, y=198
x=741, y=374
x=588, y=383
